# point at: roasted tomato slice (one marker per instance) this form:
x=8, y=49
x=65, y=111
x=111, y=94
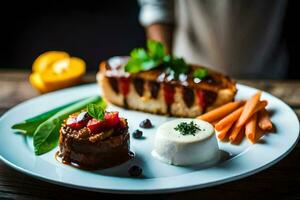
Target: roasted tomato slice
x=111, y=118
x=78, y=121
x=95, y=125
x=201, y=99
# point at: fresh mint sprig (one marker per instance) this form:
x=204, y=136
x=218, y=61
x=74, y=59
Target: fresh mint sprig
x=200, y=73
x=96, y=111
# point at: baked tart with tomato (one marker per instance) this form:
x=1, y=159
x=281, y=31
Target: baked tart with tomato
x=151, y=81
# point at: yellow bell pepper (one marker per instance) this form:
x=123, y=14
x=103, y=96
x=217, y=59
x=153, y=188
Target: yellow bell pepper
x=58, y=73
x=46, y=59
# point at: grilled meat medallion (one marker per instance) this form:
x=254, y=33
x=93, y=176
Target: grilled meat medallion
x=95, y=144
x=155, y=91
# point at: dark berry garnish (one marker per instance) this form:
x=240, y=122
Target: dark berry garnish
x=135, y=171
x=146, y=124
x=137, y=133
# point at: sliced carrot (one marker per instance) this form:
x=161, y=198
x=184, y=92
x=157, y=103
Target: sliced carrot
x=239, y=138
x=222, y=133
x=220, y=112
x=234, y=133
x=229, y=119
x=214, y=122
x=250, y=128
x=248, y=109
x=259, y=134
x=264, y=121
x=261, y=105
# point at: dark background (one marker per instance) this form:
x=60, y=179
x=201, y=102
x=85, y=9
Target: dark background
x=91, y=30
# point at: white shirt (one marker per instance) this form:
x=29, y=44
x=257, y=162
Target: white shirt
x=240, y=38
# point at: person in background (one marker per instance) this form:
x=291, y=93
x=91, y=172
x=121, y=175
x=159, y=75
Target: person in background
x=238, y=38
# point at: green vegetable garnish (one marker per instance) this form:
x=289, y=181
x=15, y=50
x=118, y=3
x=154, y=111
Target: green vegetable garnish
x=187, y=128
x=96, y=111
x=154, y=56
x=46, y=135
x=200, y=73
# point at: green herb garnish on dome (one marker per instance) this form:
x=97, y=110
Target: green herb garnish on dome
x=187, y=128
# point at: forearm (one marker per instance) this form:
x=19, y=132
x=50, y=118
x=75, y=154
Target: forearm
x=162, y=33
x=157, y=16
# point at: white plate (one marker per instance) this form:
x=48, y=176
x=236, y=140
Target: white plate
x=245, y=159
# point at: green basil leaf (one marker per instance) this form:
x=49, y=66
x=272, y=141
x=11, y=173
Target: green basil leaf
x=96, y=111
x=179, y=66
x=139, y=53
x=133, y=66
x=200, y=73
x=156, y=50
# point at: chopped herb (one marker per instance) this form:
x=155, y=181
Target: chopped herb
x=187, y=128
x=96, y=111
x=200, y=73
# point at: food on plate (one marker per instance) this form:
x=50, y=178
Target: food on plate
x=249, y=109
x=94, y=139
x=54, y=70
x=152, y=81
x=146, y=124
x=250, y=128
x=220, y=112
x=137, y=134
x=264, y=121
x=135, y=171
x=236, y=119
x=186, y=142
x=44, y=128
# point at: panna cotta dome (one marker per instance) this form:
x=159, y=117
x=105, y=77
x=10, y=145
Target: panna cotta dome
x=186, y=148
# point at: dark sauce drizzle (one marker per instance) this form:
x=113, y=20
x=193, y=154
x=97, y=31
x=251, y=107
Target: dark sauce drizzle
x=114, y=84
x=138, y=84
x=154, y=88
x=188, y=96
x=59, y=158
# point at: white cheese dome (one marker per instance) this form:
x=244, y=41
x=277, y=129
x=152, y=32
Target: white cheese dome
x=173, y=147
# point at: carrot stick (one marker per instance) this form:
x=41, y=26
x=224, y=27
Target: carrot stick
x=222, y=133
x=220, y=112
x=214, y=122
x=261, y=105
x=234, y=133
x=229, y=119
x=239, y=138
x=250, y=128
x=249, y=109
x=264, y=121
x=259, y=134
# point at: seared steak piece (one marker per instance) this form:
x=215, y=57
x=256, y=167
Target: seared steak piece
x=94, y=149
x=155, y=91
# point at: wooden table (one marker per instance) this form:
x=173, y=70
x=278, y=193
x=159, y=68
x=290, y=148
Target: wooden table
x=279, y=181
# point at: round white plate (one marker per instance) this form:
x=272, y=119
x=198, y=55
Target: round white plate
x=238, y=160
